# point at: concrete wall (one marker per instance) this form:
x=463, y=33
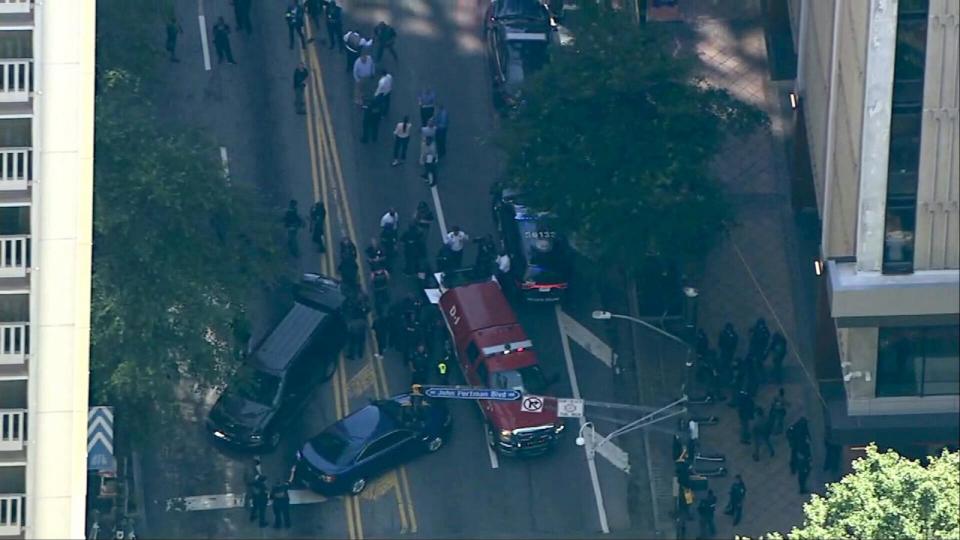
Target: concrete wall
x=938, y=216
x=60, y=277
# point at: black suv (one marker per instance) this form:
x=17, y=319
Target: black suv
x=274, y=382
x=517, y=34
x=540, y=255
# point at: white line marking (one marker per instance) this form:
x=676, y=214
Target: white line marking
x=586, y=339
x=440, y=219
x=613, y=453
x=226, y=164
x=591, y=465
x=494, y=461
x=226, y=501
x=203, y=42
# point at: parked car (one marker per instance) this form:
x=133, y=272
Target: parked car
x=517, y=35
x=275, y=381
x=345, y=456
x=540, y=255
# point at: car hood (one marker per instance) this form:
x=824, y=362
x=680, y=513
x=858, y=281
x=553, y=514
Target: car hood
x=508, y=414
x=231, y=410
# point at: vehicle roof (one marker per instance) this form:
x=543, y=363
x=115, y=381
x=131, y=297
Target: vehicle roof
x=481, y=305
x=532, y=8
x=514, y=360
x=499, y=335
x=320, y=292
x=289, y=338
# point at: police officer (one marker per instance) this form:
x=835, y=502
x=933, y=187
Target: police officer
x=300, y=76
x=443, y=364
x=418, y=362
x=280, y=495
x=334, y=22
x=259, y=497
x=293, y=223
x=294, y=18
x=221, y=41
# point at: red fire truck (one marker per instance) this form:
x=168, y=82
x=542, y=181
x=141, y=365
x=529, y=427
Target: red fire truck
x=494, y=352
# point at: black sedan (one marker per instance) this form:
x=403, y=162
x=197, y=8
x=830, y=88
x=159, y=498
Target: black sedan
x=383, y=435
x=540, y=256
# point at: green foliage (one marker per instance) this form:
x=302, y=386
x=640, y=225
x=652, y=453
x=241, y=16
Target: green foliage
x=616, y=138
x=888, y=496
x=177, y=253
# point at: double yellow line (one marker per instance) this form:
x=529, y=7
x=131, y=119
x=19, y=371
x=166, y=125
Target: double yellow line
x=327, y=177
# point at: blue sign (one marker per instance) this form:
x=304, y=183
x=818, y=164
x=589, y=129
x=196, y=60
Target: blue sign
x=100, y=439
x=449, y=392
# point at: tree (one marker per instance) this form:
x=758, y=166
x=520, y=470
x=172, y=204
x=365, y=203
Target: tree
x=178, y=254
x=888, y=496
x=615, y=137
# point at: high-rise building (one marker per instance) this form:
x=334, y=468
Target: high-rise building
x=46, y=209
x=877, y=82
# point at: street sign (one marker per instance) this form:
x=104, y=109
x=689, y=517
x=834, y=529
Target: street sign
x=447, y=392
x=569, y=408
x=100, y=439
x=532, y=404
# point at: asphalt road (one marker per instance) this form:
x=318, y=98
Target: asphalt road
x=248, y=110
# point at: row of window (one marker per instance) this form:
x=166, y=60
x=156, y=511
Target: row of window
x=918, y=361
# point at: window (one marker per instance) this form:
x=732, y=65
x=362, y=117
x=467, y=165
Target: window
x=384, y=443
x=257, y=386
x=904, y=163
x=918, y=361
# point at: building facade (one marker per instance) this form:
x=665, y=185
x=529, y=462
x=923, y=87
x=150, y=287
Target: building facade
x=46, y=209
x=878, y=86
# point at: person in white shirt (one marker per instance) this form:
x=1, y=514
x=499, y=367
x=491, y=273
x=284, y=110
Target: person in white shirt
x=455, y=242
x=503, y=270
x=354, y=43
x=401, y=140
x=384, y=88
x=363, y=71
x=391, y=219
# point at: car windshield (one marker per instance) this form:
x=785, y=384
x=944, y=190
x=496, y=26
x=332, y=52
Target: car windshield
x=528, y=379
x=256, y=386
x=519, y=9
x=329, y=445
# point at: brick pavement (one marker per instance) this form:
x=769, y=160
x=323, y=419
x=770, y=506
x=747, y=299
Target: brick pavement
x=752, y=273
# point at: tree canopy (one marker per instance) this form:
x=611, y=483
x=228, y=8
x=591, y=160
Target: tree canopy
x=888, y=496
x=616, y=135
x=178, y=253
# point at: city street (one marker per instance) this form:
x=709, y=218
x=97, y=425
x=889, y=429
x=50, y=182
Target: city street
x=193, y=490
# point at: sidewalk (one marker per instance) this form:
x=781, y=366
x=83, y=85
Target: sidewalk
x=750, y=274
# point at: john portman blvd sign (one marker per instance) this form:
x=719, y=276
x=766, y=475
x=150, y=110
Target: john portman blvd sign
x=449, y=392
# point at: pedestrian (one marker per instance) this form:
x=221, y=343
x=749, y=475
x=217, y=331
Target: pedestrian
x=761, y=435
x=318, y=216
x=259, y=498
x=411, y=334
x=357, y=328
x=363, y=71
x=348, y=262
x=706, y=509
x=383, y=328
x=388, y=240
x=778, y=351
x=371, y=120
x=390, y=220
x=300, y=75
x=418, y=363
x=429, y=160
x=803, y=470
x=293, y=223
x=173, y=32
x=280, y=496
x=401, y=140
x=503, y=268
x=738, y=492
x=423, y=216
x=383, y=91
x=380, y=281
x=442, y=122
x=759, y=340
x=334, y=21
x=384, y=37
x=294, y=17
x=427, y=99
x=376, y=258
x=241, y=12
x=745, y=412
x=414, y=249
x=221, y=41
x=354, y=44
x=456, y=240
x=428, y=130
x=798, y=437
x=446, y=359
x=778, y=412
x=727, y=343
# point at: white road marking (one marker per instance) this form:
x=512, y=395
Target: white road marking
x=203, y=42
x=586, y=339
x=613, y=453
x=226, y=501
x=591, y=465
x=226, y=164
x=494, y=461
x=440, y=219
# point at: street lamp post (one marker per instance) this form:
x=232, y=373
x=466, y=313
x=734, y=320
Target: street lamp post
x=640, y=423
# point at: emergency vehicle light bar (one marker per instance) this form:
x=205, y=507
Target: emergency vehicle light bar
x=523, y=36
x=507, y=348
